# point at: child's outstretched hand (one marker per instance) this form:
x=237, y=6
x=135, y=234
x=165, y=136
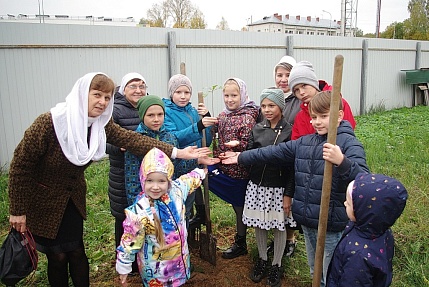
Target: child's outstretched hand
x=191, y=152
x=209, y=121
x=332, y=153
x=232, y=143
x=208, y=160
x=229, y=157
x=123, y=279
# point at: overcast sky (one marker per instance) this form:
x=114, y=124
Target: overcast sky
x=236, y=12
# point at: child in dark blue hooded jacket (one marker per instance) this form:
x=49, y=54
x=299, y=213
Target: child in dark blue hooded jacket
x=363, y=256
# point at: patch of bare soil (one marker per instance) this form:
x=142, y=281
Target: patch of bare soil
x=227, y=272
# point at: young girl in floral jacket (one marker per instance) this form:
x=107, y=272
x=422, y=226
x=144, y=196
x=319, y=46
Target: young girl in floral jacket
x=229, y=181
x=155, y=227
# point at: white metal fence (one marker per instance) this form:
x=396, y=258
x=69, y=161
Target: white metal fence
x=40, y=63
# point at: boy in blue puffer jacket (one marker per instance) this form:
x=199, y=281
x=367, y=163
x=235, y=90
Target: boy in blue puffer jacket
x=183, y=121
x=307, y=155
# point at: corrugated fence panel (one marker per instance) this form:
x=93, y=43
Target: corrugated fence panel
x=40, y=73
x=385, y=79
x=40, y=63
x=321, y=52
x=211, y=58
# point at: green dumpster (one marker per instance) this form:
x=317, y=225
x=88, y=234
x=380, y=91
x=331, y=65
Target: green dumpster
x=419, y=78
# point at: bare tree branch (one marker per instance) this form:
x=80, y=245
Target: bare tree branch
x=157, y=16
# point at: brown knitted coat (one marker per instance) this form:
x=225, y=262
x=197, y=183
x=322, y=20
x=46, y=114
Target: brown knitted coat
x=42, y=180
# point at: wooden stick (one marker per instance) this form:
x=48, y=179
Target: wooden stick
x=206, y=179
x=327, y=175
x=183, y=68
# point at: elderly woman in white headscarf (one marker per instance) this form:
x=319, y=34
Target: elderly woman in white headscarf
x=133, y=87
x=47, y=188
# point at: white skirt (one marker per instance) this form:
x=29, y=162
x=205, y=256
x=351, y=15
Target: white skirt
x=263, y=207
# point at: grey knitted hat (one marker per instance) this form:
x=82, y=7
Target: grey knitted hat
x=176, y=81
x=274, y=95
x=303, y=73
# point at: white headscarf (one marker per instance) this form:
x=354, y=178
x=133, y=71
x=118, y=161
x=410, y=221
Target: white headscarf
x=283, y=63
x=128, y=77
x=244, y=98
x=284, y=60
x=71, y=124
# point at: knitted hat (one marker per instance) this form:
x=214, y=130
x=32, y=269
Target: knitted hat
x=286, y=62
x=145, y=102
x=274, y=95
x=176, y=81
x=303, y=73
x=128, y=77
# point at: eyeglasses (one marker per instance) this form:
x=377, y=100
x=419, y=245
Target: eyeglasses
x=134, y=87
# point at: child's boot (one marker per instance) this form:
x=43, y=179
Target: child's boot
x=275, y=276
x=238, y=248
x=259, y=271
x=199, y=218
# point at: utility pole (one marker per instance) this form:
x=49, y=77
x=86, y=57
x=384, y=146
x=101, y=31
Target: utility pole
x=43, y=11
x=343, y=18
x=377, y=25
x=40, y=19
x=351, y=17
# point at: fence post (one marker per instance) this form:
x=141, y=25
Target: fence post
x=172, y=54
x=289, y=46
x=363, y=78
x=418, y=55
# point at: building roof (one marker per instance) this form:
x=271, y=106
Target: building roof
x=297, y=21
x=67, y=19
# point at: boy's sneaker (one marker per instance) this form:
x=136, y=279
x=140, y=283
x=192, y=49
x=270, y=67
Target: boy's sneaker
x=274, y=276
x=290, y=248
x=259, y=271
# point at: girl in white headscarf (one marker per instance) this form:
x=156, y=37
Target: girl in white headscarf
x=229, y=181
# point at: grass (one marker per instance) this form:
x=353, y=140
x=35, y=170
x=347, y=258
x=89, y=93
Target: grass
x=396, y=144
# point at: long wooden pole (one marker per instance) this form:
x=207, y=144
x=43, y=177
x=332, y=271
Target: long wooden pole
x=206, y=179
x=327, y=175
